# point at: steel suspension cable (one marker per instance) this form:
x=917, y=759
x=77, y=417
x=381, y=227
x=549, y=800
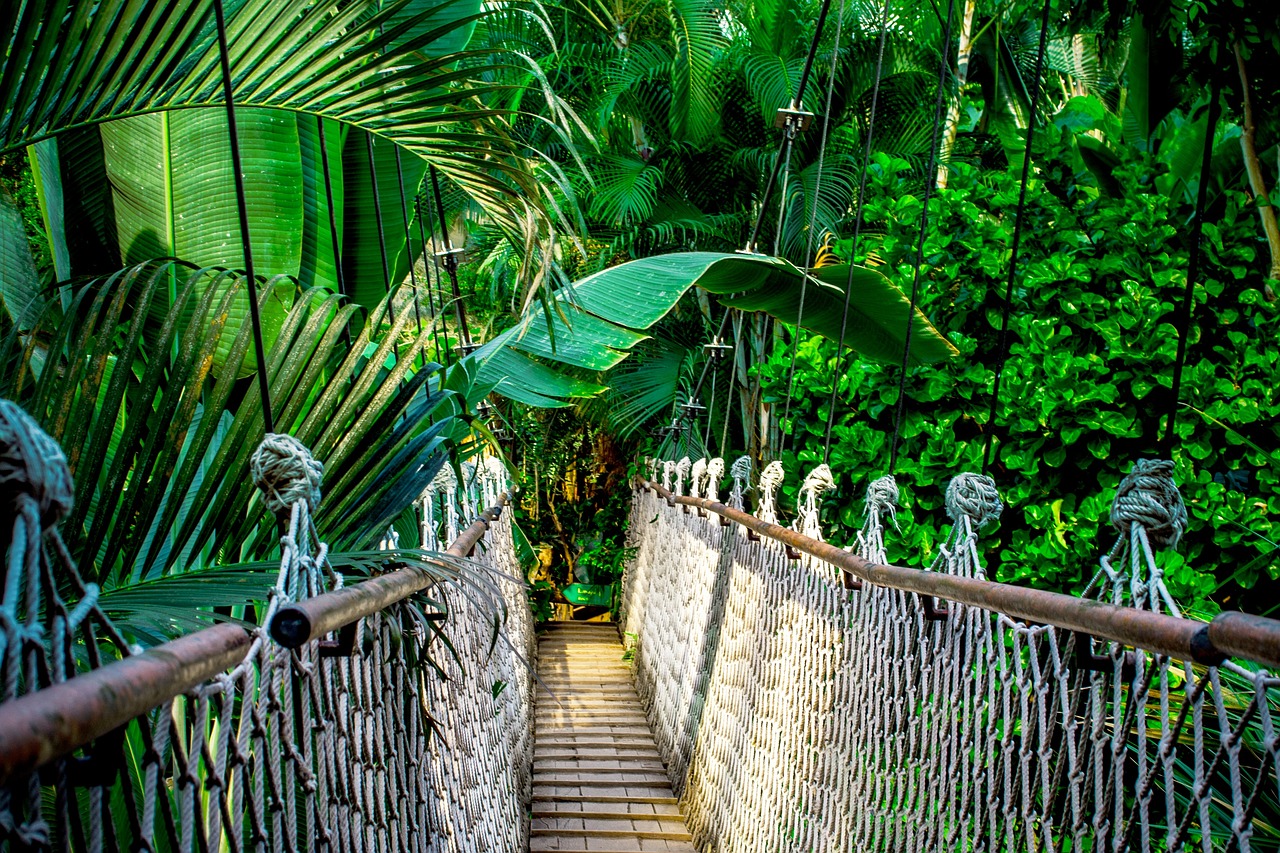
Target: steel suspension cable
x=382, y=237
x=1193, y=269
x=427, y=261
x=242, y=208
x=857, y=225
x=790, y=130
x=783, y=157
x=1019, y=215
x=339, y=275
x=930, y=173
x=404, y=216
x=813, y=218
x=450, y=264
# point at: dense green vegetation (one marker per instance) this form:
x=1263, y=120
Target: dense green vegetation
x=570, y=139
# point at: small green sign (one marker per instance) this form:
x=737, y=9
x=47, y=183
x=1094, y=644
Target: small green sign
x=588, y=594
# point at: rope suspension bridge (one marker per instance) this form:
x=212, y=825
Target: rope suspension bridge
x=775, y=692
x=800, y=696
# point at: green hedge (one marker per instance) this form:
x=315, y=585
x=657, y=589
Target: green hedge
x=1087, y=384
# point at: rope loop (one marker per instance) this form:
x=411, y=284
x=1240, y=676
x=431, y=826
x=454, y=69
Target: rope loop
x=882, y=497
x=973, y=496
x=1149, y=497
x=698, y=475
x=770, y=479
x=715, y=473
x=286, y=472
x=32, y=466
x=682, y=473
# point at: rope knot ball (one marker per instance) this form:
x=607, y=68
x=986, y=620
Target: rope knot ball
x=1148, y=496
x=286, y=472
x=33, y=465
x=882, y=495
x=973, y=496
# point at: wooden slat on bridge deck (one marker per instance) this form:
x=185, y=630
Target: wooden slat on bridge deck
x=598, y=781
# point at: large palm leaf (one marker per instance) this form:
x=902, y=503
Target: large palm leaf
x=598, y=319
x=67, y=65
x=158, y=434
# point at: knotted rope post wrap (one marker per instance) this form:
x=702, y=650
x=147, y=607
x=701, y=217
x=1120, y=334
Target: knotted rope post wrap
x=32, y=467
x=808, y=521
x=286, y=472
x=973, y=496
x=1149, y=497
x=882, y=497
x=741, y=474
x=715, y=472
x=682, y=471
x=770, y=479
x=699, y=473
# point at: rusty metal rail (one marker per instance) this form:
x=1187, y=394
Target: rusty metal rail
x=300, y=622
x=1229, y=635
x=50, y=723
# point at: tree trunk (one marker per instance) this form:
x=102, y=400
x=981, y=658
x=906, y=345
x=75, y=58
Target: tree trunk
x=952, y=125
x=1257, y=181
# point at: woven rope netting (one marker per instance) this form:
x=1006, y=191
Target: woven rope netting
x=797, y=715
x=286, y=750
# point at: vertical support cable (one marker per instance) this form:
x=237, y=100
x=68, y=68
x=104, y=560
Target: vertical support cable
x=1003, y=345
x=242, y=208
x=339, y=275
x=404, y=215
x=451, y=264
x=857, y=230
x=1193, y=269
x=930, y=172
x=428, y=258
x=813, y=222
x=382, y=237
x=784, y=150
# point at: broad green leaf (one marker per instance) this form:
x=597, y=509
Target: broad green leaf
x=174, y=193
x=19, y=282
x=363, y=242
x=47, y=173
x=602, y=308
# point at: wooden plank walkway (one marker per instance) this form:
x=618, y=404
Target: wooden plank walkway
x=598, y=782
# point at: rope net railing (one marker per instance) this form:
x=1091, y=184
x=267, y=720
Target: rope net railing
x=394, y=737
x=800, y=707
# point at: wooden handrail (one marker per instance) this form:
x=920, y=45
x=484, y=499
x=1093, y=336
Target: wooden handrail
x=58, y=719
x=1229, y=635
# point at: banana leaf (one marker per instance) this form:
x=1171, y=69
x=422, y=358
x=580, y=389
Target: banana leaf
x=598, y=319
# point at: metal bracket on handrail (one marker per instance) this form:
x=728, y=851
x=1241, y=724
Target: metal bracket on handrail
x=343, y=644
x=850, y=580
x=1090, y=661
x=933, y=612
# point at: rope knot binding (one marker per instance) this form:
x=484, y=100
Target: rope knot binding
x=1148, y=496
x=715, y=472
x=973, y=496
x=770, y=479
x=699, y=473
x=682, y=473
x=33, y=466
x=818, y=481
x=286, y=472
x=882, y=496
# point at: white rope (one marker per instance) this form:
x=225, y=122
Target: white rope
x=289, y=750
x=795, y=715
